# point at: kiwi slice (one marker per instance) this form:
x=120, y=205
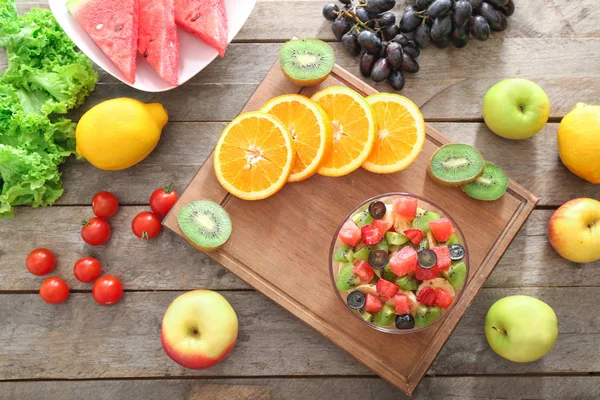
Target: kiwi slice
x=306, y=62
x=362, y=253
x=456, y=274
x=385, y=316
x=407, y=282
x=346, y=279
x=362, y=218
x=426, y=315
x=396, y=238
x=455, y=164
x=205, y=224
x=422, y=220
x=343, y=253
x=490, y=185
x=383, y=245
x=388, y=275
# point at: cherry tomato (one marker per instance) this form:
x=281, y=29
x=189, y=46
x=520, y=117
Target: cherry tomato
x=40, y=262
x=107, y=290
x=105, y=204
x=95, y=232
x=87, y=269
x=146, y=225
x=54, y=290
x=162, y=200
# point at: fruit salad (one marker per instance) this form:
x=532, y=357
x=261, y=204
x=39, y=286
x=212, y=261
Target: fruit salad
x=399, y=263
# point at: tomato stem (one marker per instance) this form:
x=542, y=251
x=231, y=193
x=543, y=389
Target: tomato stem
x=85, y=222
x=144, y=235
x=169, y=188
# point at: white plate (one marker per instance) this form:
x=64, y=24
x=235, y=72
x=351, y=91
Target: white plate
x=194, y=54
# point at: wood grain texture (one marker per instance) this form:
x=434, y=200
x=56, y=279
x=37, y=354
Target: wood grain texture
x=255, y=262
x=82, y=340
x=331, y=388
x=168, y=263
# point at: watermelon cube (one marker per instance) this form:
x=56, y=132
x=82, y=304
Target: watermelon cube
x=427, y=296
x=402, y=304
x=443, y=258
x=349, y=233
x=442, y=229
x=404, y=262
x=372, y=303
x=364, y=271
x=158, y=41
x=405, y=206
x=415, y=235
x=205, y=19
x=443, y=298
x=114, y=26
x=386, y=289
x=423, y=274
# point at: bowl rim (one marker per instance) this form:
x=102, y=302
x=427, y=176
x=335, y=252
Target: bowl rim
x=395, y=331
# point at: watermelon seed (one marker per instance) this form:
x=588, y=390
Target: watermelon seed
x=146, y=54
x=118, y=28
x=196, y=17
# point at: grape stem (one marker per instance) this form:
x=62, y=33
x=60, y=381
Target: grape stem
x=352, y=15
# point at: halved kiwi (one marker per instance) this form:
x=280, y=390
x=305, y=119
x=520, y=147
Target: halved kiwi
x=455, y=164
x=426, y=315
x=306, y=62
x=205, y=224
x=491, y=185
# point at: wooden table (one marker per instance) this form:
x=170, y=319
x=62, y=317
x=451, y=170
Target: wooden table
x=79, y=350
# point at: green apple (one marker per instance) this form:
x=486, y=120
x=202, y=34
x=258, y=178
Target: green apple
x=516, y=108
x=521, y=328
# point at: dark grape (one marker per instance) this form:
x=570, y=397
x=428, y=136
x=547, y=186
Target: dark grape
x=497, y=3
x=362, y=15
x=439, y=8
x=441, y=28
x=423, y=36
x=387, y=19
x=441, y=44
x=396, y=79
x=423, y=4
x=347, y=7
x=409, y=22
x=509, y=8
x=340, y=26
x=350, y=42
x=379, y=6
x=366, y=64
x=383, y=51
x=409, y=64
x=412, y=50
x=390, y=32
x=475, y=3
x=460, y=36
x=502, y=25
x=401, y=38
x=346, y=1
x=330, y=11
x=487, y=11
x=394, y=55
x=410, y=7
x=409, y=35
x=381, y=70
x=370, y=42
x=480, y=29
x=462, y=12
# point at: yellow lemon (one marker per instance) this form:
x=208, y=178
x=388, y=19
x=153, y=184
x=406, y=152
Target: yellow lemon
x=579, y=142
x=119, y=133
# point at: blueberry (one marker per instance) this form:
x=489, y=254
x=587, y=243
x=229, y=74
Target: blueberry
x=378, y=258
x=457, y=252
x=427, y=258
x=405, y=321
x=377, y=209
x=356, y=300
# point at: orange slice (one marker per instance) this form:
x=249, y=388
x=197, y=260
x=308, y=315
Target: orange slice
x=400, y=133
x=254, y=156
x=310, y=129
x=353, y=129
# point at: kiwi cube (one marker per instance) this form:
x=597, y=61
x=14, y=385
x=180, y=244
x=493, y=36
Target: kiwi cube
x=383, y=245
x=388, y=275
x=422, y=220
x=362, y=253
x=362, y=218
x=426, y=315
x=367, y=316
x=385, y=316
x=396, y=238
x=346, y=279
x=456, y=274
x=407, y=282
x=343, y=253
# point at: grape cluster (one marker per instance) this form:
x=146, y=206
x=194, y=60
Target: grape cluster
x=389, y=48
x=442, y=22
x=367, y=28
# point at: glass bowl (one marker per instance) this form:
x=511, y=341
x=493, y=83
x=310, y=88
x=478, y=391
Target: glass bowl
x=334, y=265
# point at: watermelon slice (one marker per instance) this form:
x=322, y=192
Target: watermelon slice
x=204, y=18
x=113, y=25
x=158, y=41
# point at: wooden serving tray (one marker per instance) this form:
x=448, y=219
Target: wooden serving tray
x=280, y=245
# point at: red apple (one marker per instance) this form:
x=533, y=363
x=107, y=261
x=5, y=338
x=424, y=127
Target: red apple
x=199, y=329
x=574, y=230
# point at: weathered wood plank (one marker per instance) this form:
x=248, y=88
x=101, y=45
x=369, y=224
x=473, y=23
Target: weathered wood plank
x=38, y=340
x=168, y=263
x=334, y=388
